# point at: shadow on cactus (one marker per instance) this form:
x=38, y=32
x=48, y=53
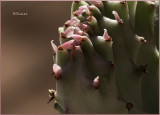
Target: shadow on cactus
x=108, y=58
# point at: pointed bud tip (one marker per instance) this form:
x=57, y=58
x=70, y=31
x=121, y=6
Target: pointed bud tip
x=144, y=69
x=129, y=106
x=57, y=71
x=119, y=20
x=106, y=36
x=66, y=45
x=142, y=39
x=123, y=2
x=54, y=47
x=97, y=3
x=96, y=83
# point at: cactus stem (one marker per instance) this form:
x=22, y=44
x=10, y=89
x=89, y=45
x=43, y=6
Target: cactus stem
x=58, y=107
x=96, y=82
x=129, y=106
x=119, y=20
x=57, y=71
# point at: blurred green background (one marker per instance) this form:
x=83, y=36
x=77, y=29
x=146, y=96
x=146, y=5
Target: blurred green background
x=26, y=54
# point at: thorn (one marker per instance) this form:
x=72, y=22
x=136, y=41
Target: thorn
x=57, y=71
x=51, y=95
x=143, y=69
x=142, y=39
x=129, y=106
x=96, y=82
x=119, y=20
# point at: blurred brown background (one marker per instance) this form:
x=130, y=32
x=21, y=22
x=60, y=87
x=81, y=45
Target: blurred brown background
x=27, y=54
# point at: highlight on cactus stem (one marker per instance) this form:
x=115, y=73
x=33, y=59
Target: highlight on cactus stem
x=108, y=58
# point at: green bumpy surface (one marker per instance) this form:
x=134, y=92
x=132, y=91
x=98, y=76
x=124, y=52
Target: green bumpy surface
x=113, y=65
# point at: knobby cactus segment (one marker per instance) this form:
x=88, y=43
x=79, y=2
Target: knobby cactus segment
x=108, y=58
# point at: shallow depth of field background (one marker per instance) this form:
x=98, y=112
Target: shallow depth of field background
x=26, y=55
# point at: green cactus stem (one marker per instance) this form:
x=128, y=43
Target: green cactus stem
x=108, y=58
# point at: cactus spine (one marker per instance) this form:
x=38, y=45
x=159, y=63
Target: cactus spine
x=108, y=58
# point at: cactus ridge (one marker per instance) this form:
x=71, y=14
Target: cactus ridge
x=108, y=58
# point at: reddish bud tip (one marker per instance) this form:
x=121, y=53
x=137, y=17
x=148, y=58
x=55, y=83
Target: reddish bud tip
x=89, y=18
x=66, y=45
x=96, y=83
x=142, y=39
x=62, y=35
x=152, y=4
x=144, y=69
x=106, y=36
x=123, y=2
x=78, y=38
x=57, y=71
x=119, y=20
x=97, y=3
x=68, y=32
x=81, y=10
x=129, y=106
x=73, y=22
x=84, y=27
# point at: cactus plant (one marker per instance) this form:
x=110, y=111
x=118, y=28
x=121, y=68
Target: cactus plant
x=108, y=58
